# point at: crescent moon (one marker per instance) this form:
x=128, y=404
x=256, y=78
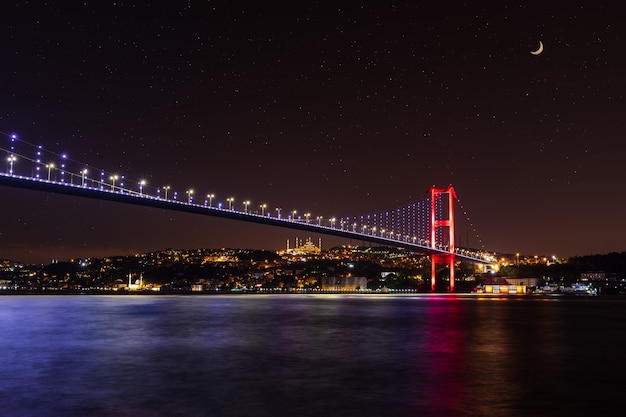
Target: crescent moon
x=538, y=51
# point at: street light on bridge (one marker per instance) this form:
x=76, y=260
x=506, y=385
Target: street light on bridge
x=166, y=188
x=113, y=178
x=263, y=206
x=306, y=217
x=11, y=159
x=189, y=196
x=245, y=206
x=84, y=174
x=210, y=197
x=230, y=203
x=293, y=215
x=49, y=166
x=141, y=184
x=278, y=212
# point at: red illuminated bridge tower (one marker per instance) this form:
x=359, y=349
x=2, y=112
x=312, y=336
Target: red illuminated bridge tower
x=439, y=224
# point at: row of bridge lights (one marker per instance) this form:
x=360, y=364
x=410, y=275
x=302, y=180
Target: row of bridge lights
x=246, y=204
x=229, y=200
x=51, y=167
x=12, y=159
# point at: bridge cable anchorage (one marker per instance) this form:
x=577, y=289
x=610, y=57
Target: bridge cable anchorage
x=418, y=226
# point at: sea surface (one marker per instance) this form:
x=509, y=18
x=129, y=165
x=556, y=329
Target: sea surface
x=312, y=355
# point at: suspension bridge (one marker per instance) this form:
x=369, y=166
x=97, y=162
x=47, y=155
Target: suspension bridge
x=426, y=226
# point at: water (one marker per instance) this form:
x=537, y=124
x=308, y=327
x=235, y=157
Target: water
x=311, y=355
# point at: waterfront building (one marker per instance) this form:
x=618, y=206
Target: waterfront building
x=344, y=284
x=504, y=286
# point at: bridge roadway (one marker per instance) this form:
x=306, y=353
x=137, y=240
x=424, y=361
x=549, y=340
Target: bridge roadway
x=133, y=197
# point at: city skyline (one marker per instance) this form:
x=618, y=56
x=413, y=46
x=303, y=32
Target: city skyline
x=339, y=110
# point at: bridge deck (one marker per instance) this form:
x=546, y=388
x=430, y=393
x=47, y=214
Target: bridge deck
x=132, y=197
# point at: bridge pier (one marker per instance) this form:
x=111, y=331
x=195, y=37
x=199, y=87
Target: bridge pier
x=438, y=260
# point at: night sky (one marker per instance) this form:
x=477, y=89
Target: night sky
x=337, y=108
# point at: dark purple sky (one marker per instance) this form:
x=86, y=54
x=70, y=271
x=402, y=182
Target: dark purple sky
x=337, y=108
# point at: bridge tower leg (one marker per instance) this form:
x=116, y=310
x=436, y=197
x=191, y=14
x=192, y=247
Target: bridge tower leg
x=437, y=195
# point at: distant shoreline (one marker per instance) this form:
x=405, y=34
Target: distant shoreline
x=149, y=293
x=9, y=293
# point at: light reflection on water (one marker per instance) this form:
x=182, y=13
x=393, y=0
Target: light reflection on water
x=309, y=355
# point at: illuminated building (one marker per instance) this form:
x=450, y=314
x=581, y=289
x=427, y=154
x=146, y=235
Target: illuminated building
x=344, y=284
x=304, y=248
